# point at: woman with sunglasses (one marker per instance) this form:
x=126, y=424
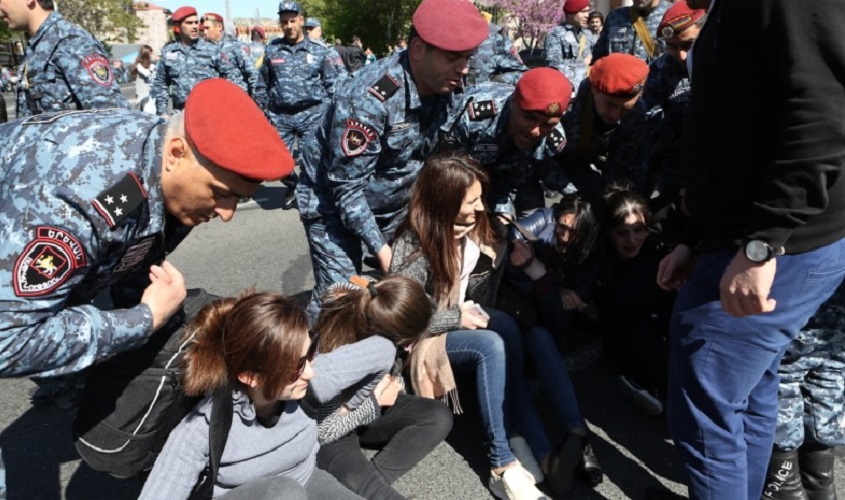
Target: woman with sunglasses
x=391, y=315
x=258, y=346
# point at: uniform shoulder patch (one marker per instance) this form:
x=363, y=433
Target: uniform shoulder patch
x=99, y=69
x=47, y=261
x=557, y=140
x=384, y=88
x=480, y=110
x=118, y=202
x=356, y=137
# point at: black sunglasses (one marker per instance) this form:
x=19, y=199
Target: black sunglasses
x=309, y=355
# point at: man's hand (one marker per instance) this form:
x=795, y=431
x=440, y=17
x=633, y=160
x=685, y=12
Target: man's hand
x=387, y=390
x=745, y=286
x=571, y=301
x=674, y=268
x=521, y=255
x=470, y=320
x=384, y=257
x=165, y=294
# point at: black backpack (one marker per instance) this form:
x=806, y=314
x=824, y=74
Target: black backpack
x=132, y=401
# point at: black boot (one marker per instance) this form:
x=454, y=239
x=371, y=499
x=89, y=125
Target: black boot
x=783, y=479
x=289, y=199
x=816, y=463
x=589, y=468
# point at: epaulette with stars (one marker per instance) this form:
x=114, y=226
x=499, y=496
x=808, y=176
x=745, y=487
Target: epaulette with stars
x=556, y=140
x=480, y=110
x=384, y=88
x=118, y=202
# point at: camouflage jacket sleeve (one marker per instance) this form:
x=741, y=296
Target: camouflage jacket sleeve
x=40, y=332
x=329, y=72
x=227, y=69
x=354, y=141
x=247, y=68
x=90, y=79
x=507, y=65
x=159, y=89
x=629, y=150
x=337, y=63
x=554, y=48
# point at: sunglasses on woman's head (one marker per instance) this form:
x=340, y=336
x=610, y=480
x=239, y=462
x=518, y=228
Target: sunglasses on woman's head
x=309, y=355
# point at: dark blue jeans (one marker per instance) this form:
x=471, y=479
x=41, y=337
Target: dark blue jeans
x=723, y=380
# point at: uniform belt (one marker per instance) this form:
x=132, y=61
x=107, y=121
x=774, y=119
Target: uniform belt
x=292, y=110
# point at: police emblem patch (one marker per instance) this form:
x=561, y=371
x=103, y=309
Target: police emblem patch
x=47, y=262
x=99, y=69
x=118, y=202
x=356, y=137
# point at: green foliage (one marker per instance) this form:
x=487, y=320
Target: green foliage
x=107, y=20
x=377, y=22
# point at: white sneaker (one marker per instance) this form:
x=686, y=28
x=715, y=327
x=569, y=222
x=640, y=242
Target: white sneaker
x=520, y=448
x=515, y=483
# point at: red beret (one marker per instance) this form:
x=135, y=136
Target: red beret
x=678, y=18
x=433, y=18
x=545, y=90
x=619, y=75
x=259, y=30
x=575, y=6
x=182, y=13
x=226, y=127
x=211, y=16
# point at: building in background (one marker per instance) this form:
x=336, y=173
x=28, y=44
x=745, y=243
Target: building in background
x=153, y=31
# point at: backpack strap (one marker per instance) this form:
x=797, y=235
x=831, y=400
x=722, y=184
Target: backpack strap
x=221, y=421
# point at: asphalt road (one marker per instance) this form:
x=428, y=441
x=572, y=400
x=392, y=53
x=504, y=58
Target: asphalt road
x=265, y=247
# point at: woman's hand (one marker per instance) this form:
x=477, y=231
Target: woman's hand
x=521, y=255
x=571, y=301
x=470, y=319
x=387, y=390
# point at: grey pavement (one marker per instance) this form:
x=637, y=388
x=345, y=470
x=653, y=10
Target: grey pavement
x=265, y=247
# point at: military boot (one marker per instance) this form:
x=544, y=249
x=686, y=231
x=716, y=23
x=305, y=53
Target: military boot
x=816, y=465
x=783, y=480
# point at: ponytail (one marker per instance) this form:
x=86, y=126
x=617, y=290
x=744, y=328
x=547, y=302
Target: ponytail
x=205, y=361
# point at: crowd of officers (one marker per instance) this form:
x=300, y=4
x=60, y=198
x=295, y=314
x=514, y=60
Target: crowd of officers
x=357, y=139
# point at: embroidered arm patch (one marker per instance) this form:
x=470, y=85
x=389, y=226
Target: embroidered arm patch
x=480, y=110
x=47, y=261
x=116, y=203
x=356, y=137
x=384, y=88
x=99, y=69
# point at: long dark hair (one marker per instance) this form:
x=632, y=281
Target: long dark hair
x=435, y=202
x=259, y=332
x=395, y=307
x=620, y=201
x=585, y=231
x=144, y=58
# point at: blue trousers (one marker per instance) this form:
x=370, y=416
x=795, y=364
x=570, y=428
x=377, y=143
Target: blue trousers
x=723, y=379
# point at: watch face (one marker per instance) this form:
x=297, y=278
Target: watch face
x=756, y=251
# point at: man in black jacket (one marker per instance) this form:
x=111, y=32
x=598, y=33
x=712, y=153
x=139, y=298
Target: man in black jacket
x=767, y=204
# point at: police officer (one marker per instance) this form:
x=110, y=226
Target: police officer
x=256, y=46
x=667, y=97
x=366, y=154
x=496, y=59
x=314, y=29
x=301, y=76
x=238, y=54
x=511, y=131
x=633, y=30
x=108, y=194
x=188, y=61
x=606, y=130
x=63, y=67
x=569, y=46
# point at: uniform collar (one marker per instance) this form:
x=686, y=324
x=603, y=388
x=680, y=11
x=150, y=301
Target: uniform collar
x=48, y=24
x=413, y=95
x=152, y=163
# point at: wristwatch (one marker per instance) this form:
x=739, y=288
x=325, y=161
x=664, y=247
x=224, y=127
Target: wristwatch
x=760, y=251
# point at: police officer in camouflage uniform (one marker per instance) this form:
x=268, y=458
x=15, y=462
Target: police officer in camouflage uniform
x=238, y=54
x=359, y=166
x=811, y=408
x=495, y=60
x=188, y=61
x=512, y=132
x=633, y=30
x=93, y=200
x=606, y=129
x=256, y=46
x=301, y=76
x=569, y=46
x=63, y=67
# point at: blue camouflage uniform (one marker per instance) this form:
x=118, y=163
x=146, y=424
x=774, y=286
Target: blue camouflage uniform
x=567, y=49
x=256, y=53
x=496, y=59
x=64, y=68
x=811, y=393
x=240, y=56
x=619, y=152
x=667, y=98
x=359, y=166
x=478, y=126
x=618, y=34
x=182, y=66
x=301, y=79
